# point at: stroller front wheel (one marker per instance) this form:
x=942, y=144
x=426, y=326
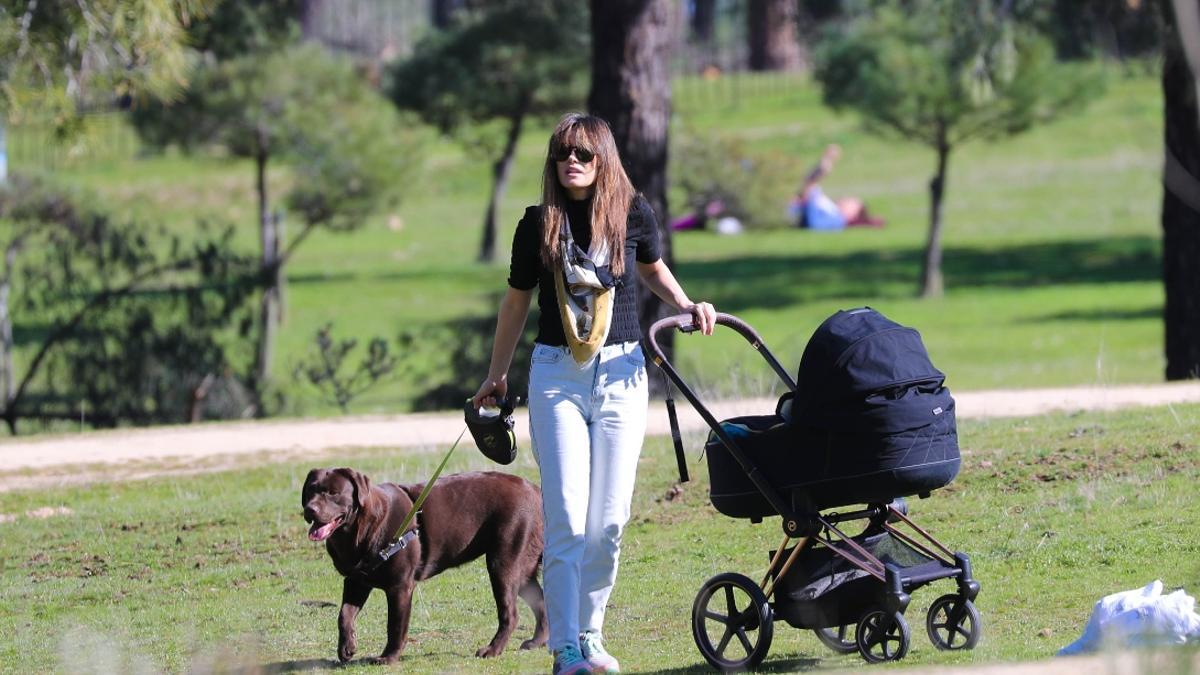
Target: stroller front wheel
x=732, y=622
x=882, y=636
x=953, y=623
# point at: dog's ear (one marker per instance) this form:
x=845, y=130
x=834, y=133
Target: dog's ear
x=362, y=484
x=309, y=481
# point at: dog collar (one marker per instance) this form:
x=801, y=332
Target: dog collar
x=384, y=554
x=397, y=546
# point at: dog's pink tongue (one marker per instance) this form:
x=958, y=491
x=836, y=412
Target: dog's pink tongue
x=322, y=532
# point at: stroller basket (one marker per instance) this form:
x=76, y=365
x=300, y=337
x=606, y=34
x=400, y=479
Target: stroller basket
x=824, y=590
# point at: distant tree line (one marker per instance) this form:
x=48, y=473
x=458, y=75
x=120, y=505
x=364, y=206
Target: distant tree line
x=147, y=327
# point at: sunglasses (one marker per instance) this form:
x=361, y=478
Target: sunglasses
x=563, y=152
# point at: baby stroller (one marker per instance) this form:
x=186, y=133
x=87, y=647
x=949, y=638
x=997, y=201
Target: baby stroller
x=869, y=424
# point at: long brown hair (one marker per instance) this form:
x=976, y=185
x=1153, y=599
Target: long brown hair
x=611, y=196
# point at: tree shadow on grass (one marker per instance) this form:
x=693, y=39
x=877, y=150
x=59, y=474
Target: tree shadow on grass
x=784, y=281
x=397, y=275
x=33, y=333
x=779, y=281
x=1100, y=315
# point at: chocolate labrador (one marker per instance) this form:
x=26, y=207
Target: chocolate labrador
x=465, y=516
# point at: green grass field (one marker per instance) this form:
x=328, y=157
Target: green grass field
x=1052, y=242
x=214, y=571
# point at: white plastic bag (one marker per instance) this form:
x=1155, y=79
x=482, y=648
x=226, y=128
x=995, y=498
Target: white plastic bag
x=1138, y=618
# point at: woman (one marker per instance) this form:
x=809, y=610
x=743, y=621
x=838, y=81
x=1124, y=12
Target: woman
x=585, y=247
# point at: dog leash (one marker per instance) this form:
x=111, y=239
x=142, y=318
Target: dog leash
x=405, y=535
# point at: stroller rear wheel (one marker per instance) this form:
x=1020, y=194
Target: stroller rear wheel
x=882, y=636
x=732, y=622
x=838, y=638
x=953, y=623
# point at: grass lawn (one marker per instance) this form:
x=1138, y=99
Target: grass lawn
x=214, y=571
x=1052, y=245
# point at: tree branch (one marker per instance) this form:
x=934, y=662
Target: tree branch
x=295, y=243
x=23, y=34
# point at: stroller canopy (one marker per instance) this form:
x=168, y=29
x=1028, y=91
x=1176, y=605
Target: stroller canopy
x=863, y=372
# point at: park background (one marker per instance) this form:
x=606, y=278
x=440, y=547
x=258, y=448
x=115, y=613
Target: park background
x=1053, y=275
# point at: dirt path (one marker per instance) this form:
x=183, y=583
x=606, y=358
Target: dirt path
x=61, y=459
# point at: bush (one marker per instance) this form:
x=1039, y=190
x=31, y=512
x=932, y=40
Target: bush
x=131, y=322
x=754, y=187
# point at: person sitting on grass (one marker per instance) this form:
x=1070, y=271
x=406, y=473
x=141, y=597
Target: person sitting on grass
x=814, y=210
x=698, y=219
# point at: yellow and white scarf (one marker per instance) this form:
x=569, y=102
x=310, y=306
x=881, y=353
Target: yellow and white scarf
x=586, y=291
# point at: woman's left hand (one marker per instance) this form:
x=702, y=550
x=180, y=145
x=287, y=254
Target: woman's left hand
x=704, y=315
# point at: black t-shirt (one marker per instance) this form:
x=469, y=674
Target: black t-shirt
x=527, y=271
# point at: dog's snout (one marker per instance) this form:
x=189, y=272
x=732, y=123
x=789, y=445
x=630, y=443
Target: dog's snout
x=310, y=514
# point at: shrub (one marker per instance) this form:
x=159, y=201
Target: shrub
x=754, y=187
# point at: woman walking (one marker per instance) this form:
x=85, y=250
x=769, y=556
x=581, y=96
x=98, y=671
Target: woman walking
x=585, y=248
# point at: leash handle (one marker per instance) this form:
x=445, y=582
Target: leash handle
x=505, y=405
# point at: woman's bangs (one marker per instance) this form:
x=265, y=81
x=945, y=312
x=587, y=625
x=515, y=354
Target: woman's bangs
x=577, y=136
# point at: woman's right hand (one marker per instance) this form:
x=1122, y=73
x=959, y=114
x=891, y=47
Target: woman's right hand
x=491, y=391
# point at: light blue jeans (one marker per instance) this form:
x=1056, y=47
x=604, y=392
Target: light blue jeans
x=587, y=424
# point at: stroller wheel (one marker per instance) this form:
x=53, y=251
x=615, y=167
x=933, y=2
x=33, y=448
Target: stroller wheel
x=839, y=638
x=732, y=622
x=953, y=623
x=882, y=636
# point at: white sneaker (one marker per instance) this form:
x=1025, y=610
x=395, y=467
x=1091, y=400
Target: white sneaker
x=591, y=643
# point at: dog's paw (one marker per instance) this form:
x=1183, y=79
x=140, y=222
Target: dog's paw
x=533, y=643
x=384, y=660
x=489, y=650
x=346, y=651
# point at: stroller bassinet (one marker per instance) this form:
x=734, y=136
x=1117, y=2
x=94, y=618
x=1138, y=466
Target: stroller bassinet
x=870, y=422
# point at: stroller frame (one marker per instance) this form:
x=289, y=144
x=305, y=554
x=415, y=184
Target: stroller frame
x=881, y=632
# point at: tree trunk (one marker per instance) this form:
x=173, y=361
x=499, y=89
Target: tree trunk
x=772, y=35
x=3, y=152
x=9, y=382
x=310, y=16
x=704, y=16
x=500, y=174
x=631, y=90
x=1181, y=196
x=931, y=268
x=272, y=272
x=280, y=279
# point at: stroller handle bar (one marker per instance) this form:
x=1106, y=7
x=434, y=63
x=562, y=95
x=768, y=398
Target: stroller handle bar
x=686, y=324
